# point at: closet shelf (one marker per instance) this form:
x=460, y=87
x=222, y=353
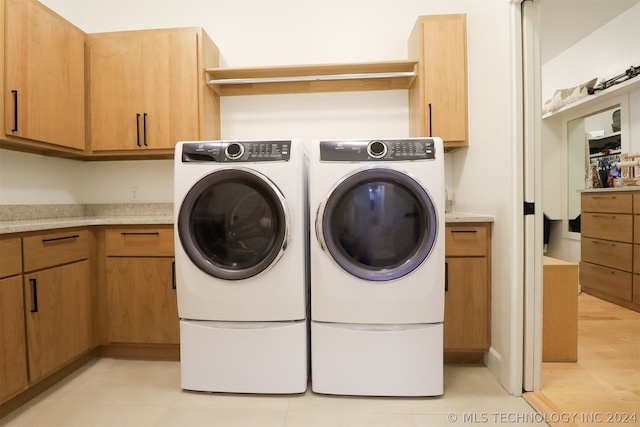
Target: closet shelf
x=366, y=76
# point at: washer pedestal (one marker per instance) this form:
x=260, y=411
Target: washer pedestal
x=377, y=360
x=244, y=357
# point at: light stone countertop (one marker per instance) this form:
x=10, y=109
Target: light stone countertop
x=610, y=189
x=25, y=218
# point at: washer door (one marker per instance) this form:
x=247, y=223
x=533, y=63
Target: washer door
x=378, y=224
x=234, y=223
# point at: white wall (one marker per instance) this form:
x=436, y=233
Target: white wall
x=279, y=32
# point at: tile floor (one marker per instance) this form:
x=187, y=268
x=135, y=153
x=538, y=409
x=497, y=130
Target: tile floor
x=119, y=392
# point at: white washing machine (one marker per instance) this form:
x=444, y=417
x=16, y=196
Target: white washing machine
x=241, y=239
x=377, y=266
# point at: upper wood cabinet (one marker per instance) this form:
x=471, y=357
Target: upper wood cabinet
x=44, y=87
x=438, y=97
x=147, y=90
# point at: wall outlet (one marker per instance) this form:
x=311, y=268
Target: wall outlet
x=133, y=194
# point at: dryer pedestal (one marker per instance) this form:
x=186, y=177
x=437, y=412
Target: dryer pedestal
x=377, y=360
x=244, y=357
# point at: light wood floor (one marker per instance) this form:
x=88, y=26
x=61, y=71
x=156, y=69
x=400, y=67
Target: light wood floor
x=606, y=378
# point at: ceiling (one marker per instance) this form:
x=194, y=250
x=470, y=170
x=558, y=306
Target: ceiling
x=565, y=22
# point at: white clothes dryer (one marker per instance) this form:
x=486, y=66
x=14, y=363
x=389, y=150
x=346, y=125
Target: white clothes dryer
x=377, y=266
x=241, y=233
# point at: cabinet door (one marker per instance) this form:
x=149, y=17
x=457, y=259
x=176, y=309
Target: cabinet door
x=58, y=313
x=466, y=314
x=116, y=92
x=438, y=99
x=13, y=350
x=141, y=298
x=44, y=62
x=170, y=80
x=144, y=89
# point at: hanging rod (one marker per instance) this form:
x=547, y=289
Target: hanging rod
x=324, y=77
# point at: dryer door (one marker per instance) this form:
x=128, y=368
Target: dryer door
x=234, y=223
x=378, y=224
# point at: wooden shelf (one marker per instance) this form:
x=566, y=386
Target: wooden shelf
x=368, y=76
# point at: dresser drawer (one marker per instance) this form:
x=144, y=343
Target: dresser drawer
x=139, y=241
x=10, y=257
x=613, y=202
x=55, y=248
x=636, y=202
x=636, y=228
x=466, y=240
x=606, y=280
x=605, y=252
x=636, y=259
x=608, y=226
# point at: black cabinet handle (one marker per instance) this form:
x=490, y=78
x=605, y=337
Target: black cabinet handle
x=430, y=122
x=34, y=293
x=144, y=129
x=75, y=236
x=446, y=276
x=15, y=110
x=138, y=130
x=173, y=275
x=140, y=233
x=464, y=231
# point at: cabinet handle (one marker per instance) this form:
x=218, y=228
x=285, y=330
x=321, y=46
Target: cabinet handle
x=599, y=242
x=430, y=121
x=604, y=216
x=15, y=110
x=173, y=275
x=464, y=231
x=75, y=236
x=140, y=233
x=144, y=129
x=446, y=276
x=34, y=292
x=138, y=129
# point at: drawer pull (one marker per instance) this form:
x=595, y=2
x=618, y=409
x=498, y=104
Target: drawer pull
x=464, y=231
x=34, y=293
x=140, y=233
x=54, y=239
x=599, y=242
x=604, y=216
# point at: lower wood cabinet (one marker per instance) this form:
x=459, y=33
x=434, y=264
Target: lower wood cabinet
x=467, y=321
x=57, y=299
x=13, y=347
x=58, y=316
x=13, y=350
x=141, y=293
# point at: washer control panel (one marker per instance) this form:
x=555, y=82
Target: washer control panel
x=236, y=151
x=378, y=150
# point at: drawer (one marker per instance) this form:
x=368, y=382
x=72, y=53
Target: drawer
x=55, y=248
x=608, y=253
x=636, y=203
x=608, y=226
x=606, y=280
x=466, y=240
x=636, y=259
x=636, y=228
x=636, y=288
x=613, y=202
x=139, y=241
x=10, y=257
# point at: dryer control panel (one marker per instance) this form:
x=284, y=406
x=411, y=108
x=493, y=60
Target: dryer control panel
x=236, y=151
x=378, y=150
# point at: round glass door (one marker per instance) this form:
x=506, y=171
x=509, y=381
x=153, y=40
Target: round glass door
x=234, y=224
x=378, y=224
